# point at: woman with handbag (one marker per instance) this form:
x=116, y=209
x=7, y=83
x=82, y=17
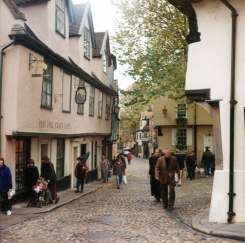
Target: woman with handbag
x=5, y=187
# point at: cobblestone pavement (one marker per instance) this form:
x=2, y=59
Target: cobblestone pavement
x=118, y=216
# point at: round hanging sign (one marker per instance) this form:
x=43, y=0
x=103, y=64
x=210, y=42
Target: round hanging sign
x=81, y=95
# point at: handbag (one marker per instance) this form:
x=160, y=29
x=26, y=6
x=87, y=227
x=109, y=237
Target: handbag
x=125, y=181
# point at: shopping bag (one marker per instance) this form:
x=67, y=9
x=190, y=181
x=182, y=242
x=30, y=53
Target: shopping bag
x=11, y=193
x=125, y=181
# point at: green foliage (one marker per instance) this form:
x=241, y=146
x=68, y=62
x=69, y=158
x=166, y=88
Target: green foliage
x=151, y=41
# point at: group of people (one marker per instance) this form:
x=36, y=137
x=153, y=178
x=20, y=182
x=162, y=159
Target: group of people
x=117, y=166
x=166, y=171
x=32, y=176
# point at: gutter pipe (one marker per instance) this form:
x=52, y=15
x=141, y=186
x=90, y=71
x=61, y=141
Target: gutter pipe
x=233, y=102
x=1, y=85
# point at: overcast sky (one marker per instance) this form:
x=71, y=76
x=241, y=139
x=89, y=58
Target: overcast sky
x=105, y=17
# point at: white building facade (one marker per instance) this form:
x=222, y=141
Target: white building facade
x=47, y=56
x=215, y=75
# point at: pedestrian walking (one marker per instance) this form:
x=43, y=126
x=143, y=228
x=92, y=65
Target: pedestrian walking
x=207, y=159
x=191, y=164
x=129, y=158
x=155, y=184
x=118, y=169
x=81, y=172
x=105, y=164
x=48, y=173
x=212, y=164
x=5, y=187
x=166, y=168
x=180, y=156
x=31, y=177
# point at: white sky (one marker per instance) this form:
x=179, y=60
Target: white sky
x=105, y=17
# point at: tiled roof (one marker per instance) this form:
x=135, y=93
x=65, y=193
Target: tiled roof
x=23, y=2
x=78, y=11
x=14, y=9
x=99, y=37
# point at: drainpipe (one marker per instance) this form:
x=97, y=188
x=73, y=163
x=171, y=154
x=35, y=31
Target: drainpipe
x=1, y=84
x=233, y=103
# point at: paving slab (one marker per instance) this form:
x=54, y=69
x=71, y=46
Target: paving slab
x=22, y=213
x=234, y=231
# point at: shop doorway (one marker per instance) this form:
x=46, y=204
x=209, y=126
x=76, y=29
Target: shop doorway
x=23, y=150
x=83, y=149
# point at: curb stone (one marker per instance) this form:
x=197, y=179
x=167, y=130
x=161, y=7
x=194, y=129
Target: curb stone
x=200, y=223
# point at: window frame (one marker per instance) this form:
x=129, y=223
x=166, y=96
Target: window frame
x=104, y=56
x=181, y=112
x=91, y=101
x=63, y=110
x=81, y=84
x=47, y=72
x=179, y=137
x=58, y=9
x=100, y=105
x=60, y=159
x=87, y=43
x=108, y=107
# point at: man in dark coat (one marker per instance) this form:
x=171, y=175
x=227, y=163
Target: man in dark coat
x=118, y=170
x=155, y=184
x=166, y=168
x=207, y=159
x=48, y=173
x=31, y=177
x=5, y=186
x=191, y=164
x=81, y=173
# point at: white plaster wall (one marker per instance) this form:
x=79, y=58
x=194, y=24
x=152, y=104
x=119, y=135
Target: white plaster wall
x=6, y=22
x=22, y=100
x=41, y=19
x=209, y=66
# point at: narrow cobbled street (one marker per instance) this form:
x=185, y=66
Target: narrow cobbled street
x=125, y=215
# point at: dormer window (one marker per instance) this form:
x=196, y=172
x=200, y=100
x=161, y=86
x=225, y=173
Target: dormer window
x=104, y=62
x=87, y=43
x=60, y=17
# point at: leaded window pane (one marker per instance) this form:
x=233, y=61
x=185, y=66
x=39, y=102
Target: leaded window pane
x=60, y=16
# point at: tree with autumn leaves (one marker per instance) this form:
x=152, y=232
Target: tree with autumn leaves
x=151, y=41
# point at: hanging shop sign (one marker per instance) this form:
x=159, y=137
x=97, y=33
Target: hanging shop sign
x=81, y=95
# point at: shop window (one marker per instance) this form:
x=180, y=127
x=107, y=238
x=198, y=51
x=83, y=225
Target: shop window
x=46, y=97
x=60, y=158
x=22, y=154
x=60, y=17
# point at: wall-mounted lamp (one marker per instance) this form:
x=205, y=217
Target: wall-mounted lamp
x=164, y=111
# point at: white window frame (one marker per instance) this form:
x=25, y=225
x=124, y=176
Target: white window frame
x=60, y=17
x=87, y=43
x=181, y=111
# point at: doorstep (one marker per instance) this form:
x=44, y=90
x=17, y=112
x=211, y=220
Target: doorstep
x=20, y=211
x=234, y=231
